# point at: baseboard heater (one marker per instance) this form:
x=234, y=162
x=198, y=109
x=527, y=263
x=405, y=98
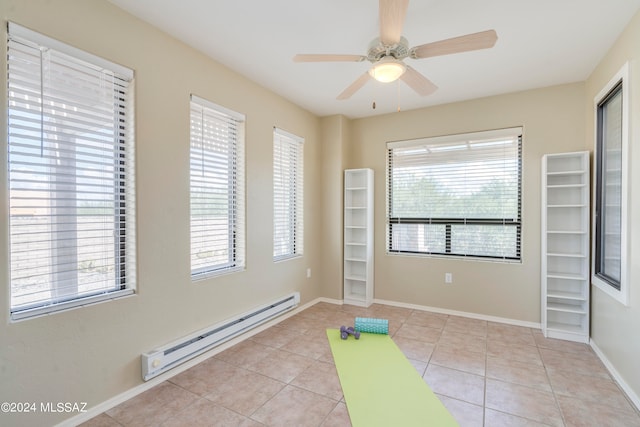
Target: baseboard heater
x=173, y=354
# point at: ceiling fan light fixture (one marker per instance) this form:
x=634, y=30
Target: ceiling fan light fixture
x=387, y=70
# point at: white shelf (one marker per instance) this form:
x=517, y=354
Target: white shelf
x=563, y=327
x=565, y=246
x=567, y=308
x=566, y=295
x=571, y=172
x=566, y=255
x=566, y=186
x=565, y=276
x=358, y=237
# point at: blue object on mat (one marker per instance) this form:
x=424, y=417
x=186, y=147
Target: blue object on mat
x=372, y=326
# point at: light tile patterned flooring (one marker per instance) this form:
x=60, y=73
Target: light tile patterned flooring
x=485, y=373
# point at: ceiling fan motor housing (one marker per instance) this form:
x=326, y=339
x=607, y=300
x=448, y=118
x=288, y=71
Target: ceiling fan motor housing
x=388, y=51
x=377, y=50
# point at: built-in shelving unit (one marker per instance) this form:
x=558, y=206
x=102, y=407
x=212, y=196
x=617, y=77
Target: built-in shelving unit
x=565, y=246
x=358, y=237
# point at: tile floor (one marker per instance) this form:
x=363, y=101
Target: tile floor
x=485, y=373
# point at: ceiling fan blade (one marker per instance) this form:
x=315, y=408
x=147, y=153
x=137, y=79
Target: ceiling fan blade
x=328, y=58
x=481, y=40
x=392, y=14
x=354, y=87
x=416, y=81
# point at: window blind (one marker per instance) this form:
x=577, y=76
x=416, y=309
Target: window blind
x=288, y=192
x=458, y=195
x=71, y=176
x=216, y=188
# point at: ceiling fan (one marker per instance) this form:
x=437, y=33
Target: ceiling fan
x=388, y=51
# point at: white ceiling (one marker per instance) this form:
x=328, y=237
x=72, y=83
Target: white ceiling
x=540, y=43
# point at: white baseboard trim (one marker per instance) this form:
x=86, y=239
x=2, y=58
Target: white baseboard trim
x=328, y=300
x=133, y=392
x=116, y=400
x=496, y=319
x=633, y=397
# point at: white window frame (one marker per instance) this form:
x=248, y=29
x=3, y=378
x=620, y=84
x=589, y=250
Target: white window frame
x=75, y=152
x=621, y=295
x=216, y=249
x=288, y=195
x=451, y=143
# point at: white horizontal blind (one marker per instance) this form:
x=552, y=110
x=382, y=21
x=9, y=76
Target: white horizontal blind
x=217, y=189
x=71, y=177
x=458, y=195
x=288, y=191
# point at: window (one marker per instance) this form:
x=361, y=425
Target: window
x=217, y=189
x=287, y=195
x=71, y=176
x=609, y=260
x=457, y=195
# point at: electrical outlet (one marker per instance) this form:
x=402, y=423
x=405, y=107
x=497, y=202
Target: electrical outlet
x=448, y=278
x=308, y=273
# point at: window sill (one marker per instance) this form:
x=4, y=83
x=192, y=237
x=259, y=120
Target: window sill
x=455, y=257
x=69, y=305
x=200, y=277
x=621, y=296
x=286, y=258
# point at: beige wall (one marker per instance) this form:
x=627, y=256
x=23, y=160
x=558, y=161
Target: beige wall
x=334, y=134
x=615, y=329
x=553, y=121
x=92, y=354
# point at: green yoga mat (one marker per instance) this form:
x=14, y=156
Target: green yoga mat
x=381, y=387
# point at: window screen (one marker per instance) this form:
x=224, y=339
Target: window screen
x=217, y=189
x=457, y=195
x=288, y=191
x=71, y=176
x=608, y=209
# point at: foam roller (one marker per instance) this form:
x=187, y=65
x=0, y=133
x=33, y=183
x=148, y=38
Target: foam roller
x=372, y=326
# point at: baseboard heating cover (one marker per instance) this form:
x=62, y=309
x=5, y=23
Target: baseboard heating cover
x=173, y=354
